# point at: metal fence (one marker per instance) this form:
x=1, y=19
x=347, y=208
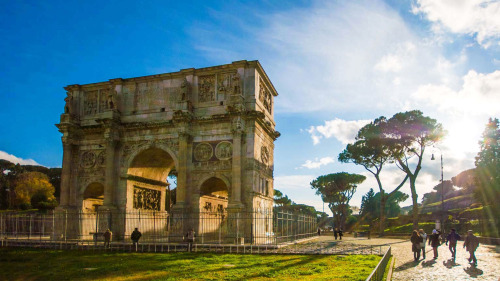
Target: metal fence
x=243, y=228
x=379, y=271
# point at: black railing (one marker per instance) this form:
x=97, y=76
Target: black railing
x=378, y=273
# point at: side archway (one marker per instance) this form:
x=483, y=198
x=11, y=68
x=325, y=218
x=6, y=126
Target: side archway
x=93, y=197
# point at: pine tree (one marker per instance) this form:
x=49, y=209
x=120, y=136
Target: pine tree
x=488, y=171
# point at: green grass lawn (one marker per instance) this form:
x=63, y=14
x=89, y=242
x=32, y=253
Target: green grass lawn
x=33, y=264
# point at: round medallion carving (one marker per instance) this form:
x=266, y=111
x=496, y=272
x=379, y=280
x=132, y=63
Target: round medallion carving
x=224, y=150
x=203, y=152
x=101, y=158
x=88, y=159
x=264, y=154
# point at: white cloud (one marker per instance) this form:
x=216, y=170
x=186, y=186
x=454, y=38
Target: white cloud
x=342, y=130
x=338, y=56
x=478, y=94
x=394, y=62
x=473, y=17
x=17, y=160
x=294, y=182
x=318, y=163
x=389, y=63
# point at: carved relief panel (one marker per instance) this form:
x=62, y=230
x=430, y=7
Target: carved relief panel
x=90, y=159
x=264, y=154
x=224, y=150
x=90, y=103
x=90, y=167
x=206, y=90
x=146, y=199
x=212, y=155
x=265, y=96
x=103, y=100
x=149, y=95
x=227, y=84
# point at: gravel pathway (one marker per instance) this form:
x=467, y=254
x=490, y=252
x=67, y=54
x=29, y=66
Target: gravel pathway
x=443, y=268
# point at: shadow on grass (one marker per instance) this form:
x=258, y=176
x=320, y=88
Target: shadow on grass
x=77, y=265
x=274, y=270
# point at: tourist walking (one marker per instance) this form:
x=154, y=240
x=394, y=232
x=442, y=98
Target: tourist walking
x=190, y=239
x=424, y=241
x=135, y=236
x=434, y=242
x=452, y=239
x=107, y=238
x=415, y=239
x=319, y=231
x=335, y=233
x=471, y=243
x=340, y=234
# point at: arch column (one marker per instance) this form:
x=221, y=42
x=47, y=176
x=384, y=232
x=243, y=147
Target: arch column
x=109, y=184
x=182, y=171
x=66, y=173
x=235, y=199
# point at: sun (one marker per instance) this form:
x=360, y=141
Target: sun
x=462, y=138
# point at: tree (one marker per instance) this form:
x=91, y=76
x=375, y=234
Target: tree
x=488, y=169
x=465, y=180
x=34, y=185
x=373, y=150
x=337, y=190
x=409, y=134
x=368, y=206
x=280, y=199
x=371, y=207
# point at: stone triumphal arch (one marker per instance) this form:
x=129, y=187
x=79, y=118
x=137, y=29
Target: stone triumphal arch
x=213, y=128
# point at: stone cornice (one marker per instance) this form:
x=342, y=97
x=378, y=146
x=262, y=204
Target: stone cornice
x=260, y=118
x=148, y=125
x=179, y=74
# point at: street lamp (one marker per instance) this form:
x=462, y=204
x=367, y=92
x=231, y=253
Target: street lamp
x=442, y=189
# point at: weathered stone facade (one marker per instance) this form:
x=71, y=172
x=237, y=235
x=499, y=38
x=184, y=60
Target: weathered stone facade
x=213, y=126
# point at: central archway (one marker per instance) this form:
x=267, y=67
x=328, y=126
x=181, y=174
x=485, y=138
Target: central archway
x=147, y=180
x=147, y=190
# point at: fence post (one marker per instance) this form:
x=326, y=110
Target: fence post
x=53, y=226
x=65, y=225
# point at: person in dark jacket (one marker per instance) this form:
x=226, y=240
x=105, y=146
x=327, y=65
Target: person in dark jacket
x=190, y=239
x=416, y=239
x=471, y=243
x=135, y=236
x=452, y=239
x=434, y=242
x=335, y=233
x=340, y=234
x=107, y=238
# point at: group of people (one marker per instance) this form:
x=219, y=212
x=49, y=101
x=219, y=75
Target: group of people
x=419, y=239
x=338, y=232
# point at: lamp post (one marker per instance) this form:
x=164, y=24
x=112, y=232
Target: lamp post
x=442, y=190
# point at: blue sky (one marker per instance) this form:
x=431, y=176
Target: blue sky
x=335, y=64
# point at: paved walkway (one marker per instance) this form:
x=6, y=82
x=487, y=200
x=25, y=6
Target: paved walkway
x=443, y=268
